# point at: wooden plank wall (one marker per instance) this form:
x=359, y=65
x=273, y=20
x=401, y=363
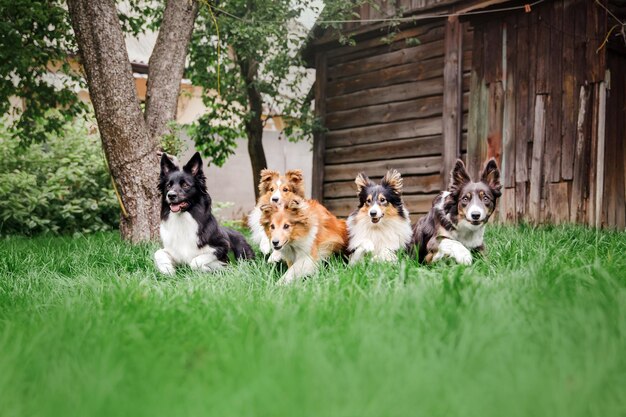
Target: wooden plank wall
x=613, y=213
x=540, y=104
x=537, y=102
x=383, y=109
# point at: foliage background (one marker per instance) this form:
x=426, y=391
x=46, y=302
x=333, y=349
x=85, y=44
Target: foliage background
x=60, y=186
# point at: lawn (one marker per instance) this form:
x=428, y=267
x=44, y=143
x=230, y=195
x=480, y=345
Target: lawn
x=537, y=328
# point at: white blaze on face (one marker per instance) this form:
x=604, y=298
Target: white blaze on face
x=276, y=196
x=375, y=211
x=476, y=210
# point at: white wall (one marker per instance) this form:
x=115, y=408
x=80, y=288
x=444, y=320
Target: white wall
x=233, y=182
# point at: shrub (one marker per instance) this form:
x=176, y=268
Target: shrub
x=61, y=186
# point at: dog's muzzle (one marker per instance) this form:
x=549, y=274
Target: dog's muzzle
x=175, y=206
x=376, y=214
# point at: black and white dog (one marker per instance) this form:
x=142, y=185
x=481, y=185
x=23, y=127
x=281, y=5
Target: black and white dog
x=189, y=231
x=380, y=225
x=455, y=225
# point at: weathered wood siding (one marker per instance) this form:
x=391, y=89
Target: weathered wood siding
x=538, y=105
x=382, y=108
x=541, y=103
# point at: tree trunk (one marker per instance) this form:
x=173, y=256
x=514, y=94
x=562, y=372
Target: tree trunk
x=128, y=147
x=167, y=64
x=254, y=126
x=130, y=142
x=254, y=131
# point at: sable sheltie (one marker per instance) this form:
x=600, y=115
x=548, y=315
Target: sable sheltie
x=305, y=233
x=189, y=231
x=380, y=225
x=455, y=225
x=274, y=189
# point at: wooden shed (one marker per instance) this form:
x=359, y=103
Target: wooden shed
x=535, y=86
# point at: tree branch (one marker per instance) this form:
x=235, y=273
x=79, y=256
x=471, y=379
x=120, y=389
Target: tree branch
x=167, y=64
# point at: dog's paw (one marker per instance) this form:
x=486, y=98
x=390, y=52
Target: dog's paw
x=464, y=257
x=206, y=263
x=455, y=250
x=197, y=263
x=166, y=269
x=164, y=263
x=356, y=256
x=275, y=257
x=286, y=279
x=386, y=256
x=461, y=254
x=265, y=246
x=368, y=246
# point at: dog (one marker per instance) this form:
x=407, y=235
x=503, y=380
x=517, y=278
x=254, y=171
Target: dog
x=273, y=189
x=189, y=231
x=380, y=225
x=305, y=233
x=455, y=225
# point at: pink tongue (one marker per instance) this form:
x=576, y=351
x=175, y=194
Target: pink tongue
x=175, y=207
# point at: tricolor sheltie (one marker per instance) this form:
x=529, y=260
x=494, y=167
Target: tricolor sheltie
x=380, y=225
x=305, y=233
x=189, y=231
x=455, y=225
x=274, y=189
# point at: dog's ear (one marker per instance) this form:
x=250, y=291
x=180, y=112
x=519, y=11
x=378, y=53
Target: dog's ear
x=362, y=181
x=295, y=206
x=267, y=211
x=194, y=166
x=458, y=177
x=393, y=180
x=267, y=176
x=296, y=177
x=268, y=208
x=167, y=165
x=491, y=176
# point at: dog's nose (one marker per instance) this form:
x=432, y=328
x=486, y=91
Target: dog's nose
x=171, y=195
x=274, y=199
x=373, y=213
x=475, y=216
x=275, y=242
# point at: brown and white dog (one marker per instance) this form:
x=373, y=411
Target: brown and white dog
x=455, y=225
x=305, y=233
x=274, y=189
x=380, y=225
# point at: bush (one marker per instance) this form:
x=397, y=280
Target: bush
x=59, y=187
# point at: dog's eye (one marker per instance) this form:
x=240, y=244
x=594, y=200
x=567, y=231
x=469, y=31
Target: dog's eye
x=465, y=199
x=272, y=227
x=286, y=226
x=382, y=200
x=186, y=186
x=272, y=189
x=485, y=199
x=369, y=201
x=285, y=189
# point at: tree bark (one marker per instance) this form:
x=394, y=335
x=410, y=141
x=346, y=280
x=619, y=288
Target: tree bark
x=128, y=147
x=167, y=64
x=130, y=141
x=254, y=125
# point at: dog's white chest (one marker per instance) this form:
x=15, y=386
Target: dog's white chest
x=179, y=234
x=389, y=235
x=469, y=235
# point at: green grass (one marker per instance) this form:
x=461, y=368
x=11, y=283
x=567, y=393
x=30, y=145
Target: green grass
x=538, y=328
